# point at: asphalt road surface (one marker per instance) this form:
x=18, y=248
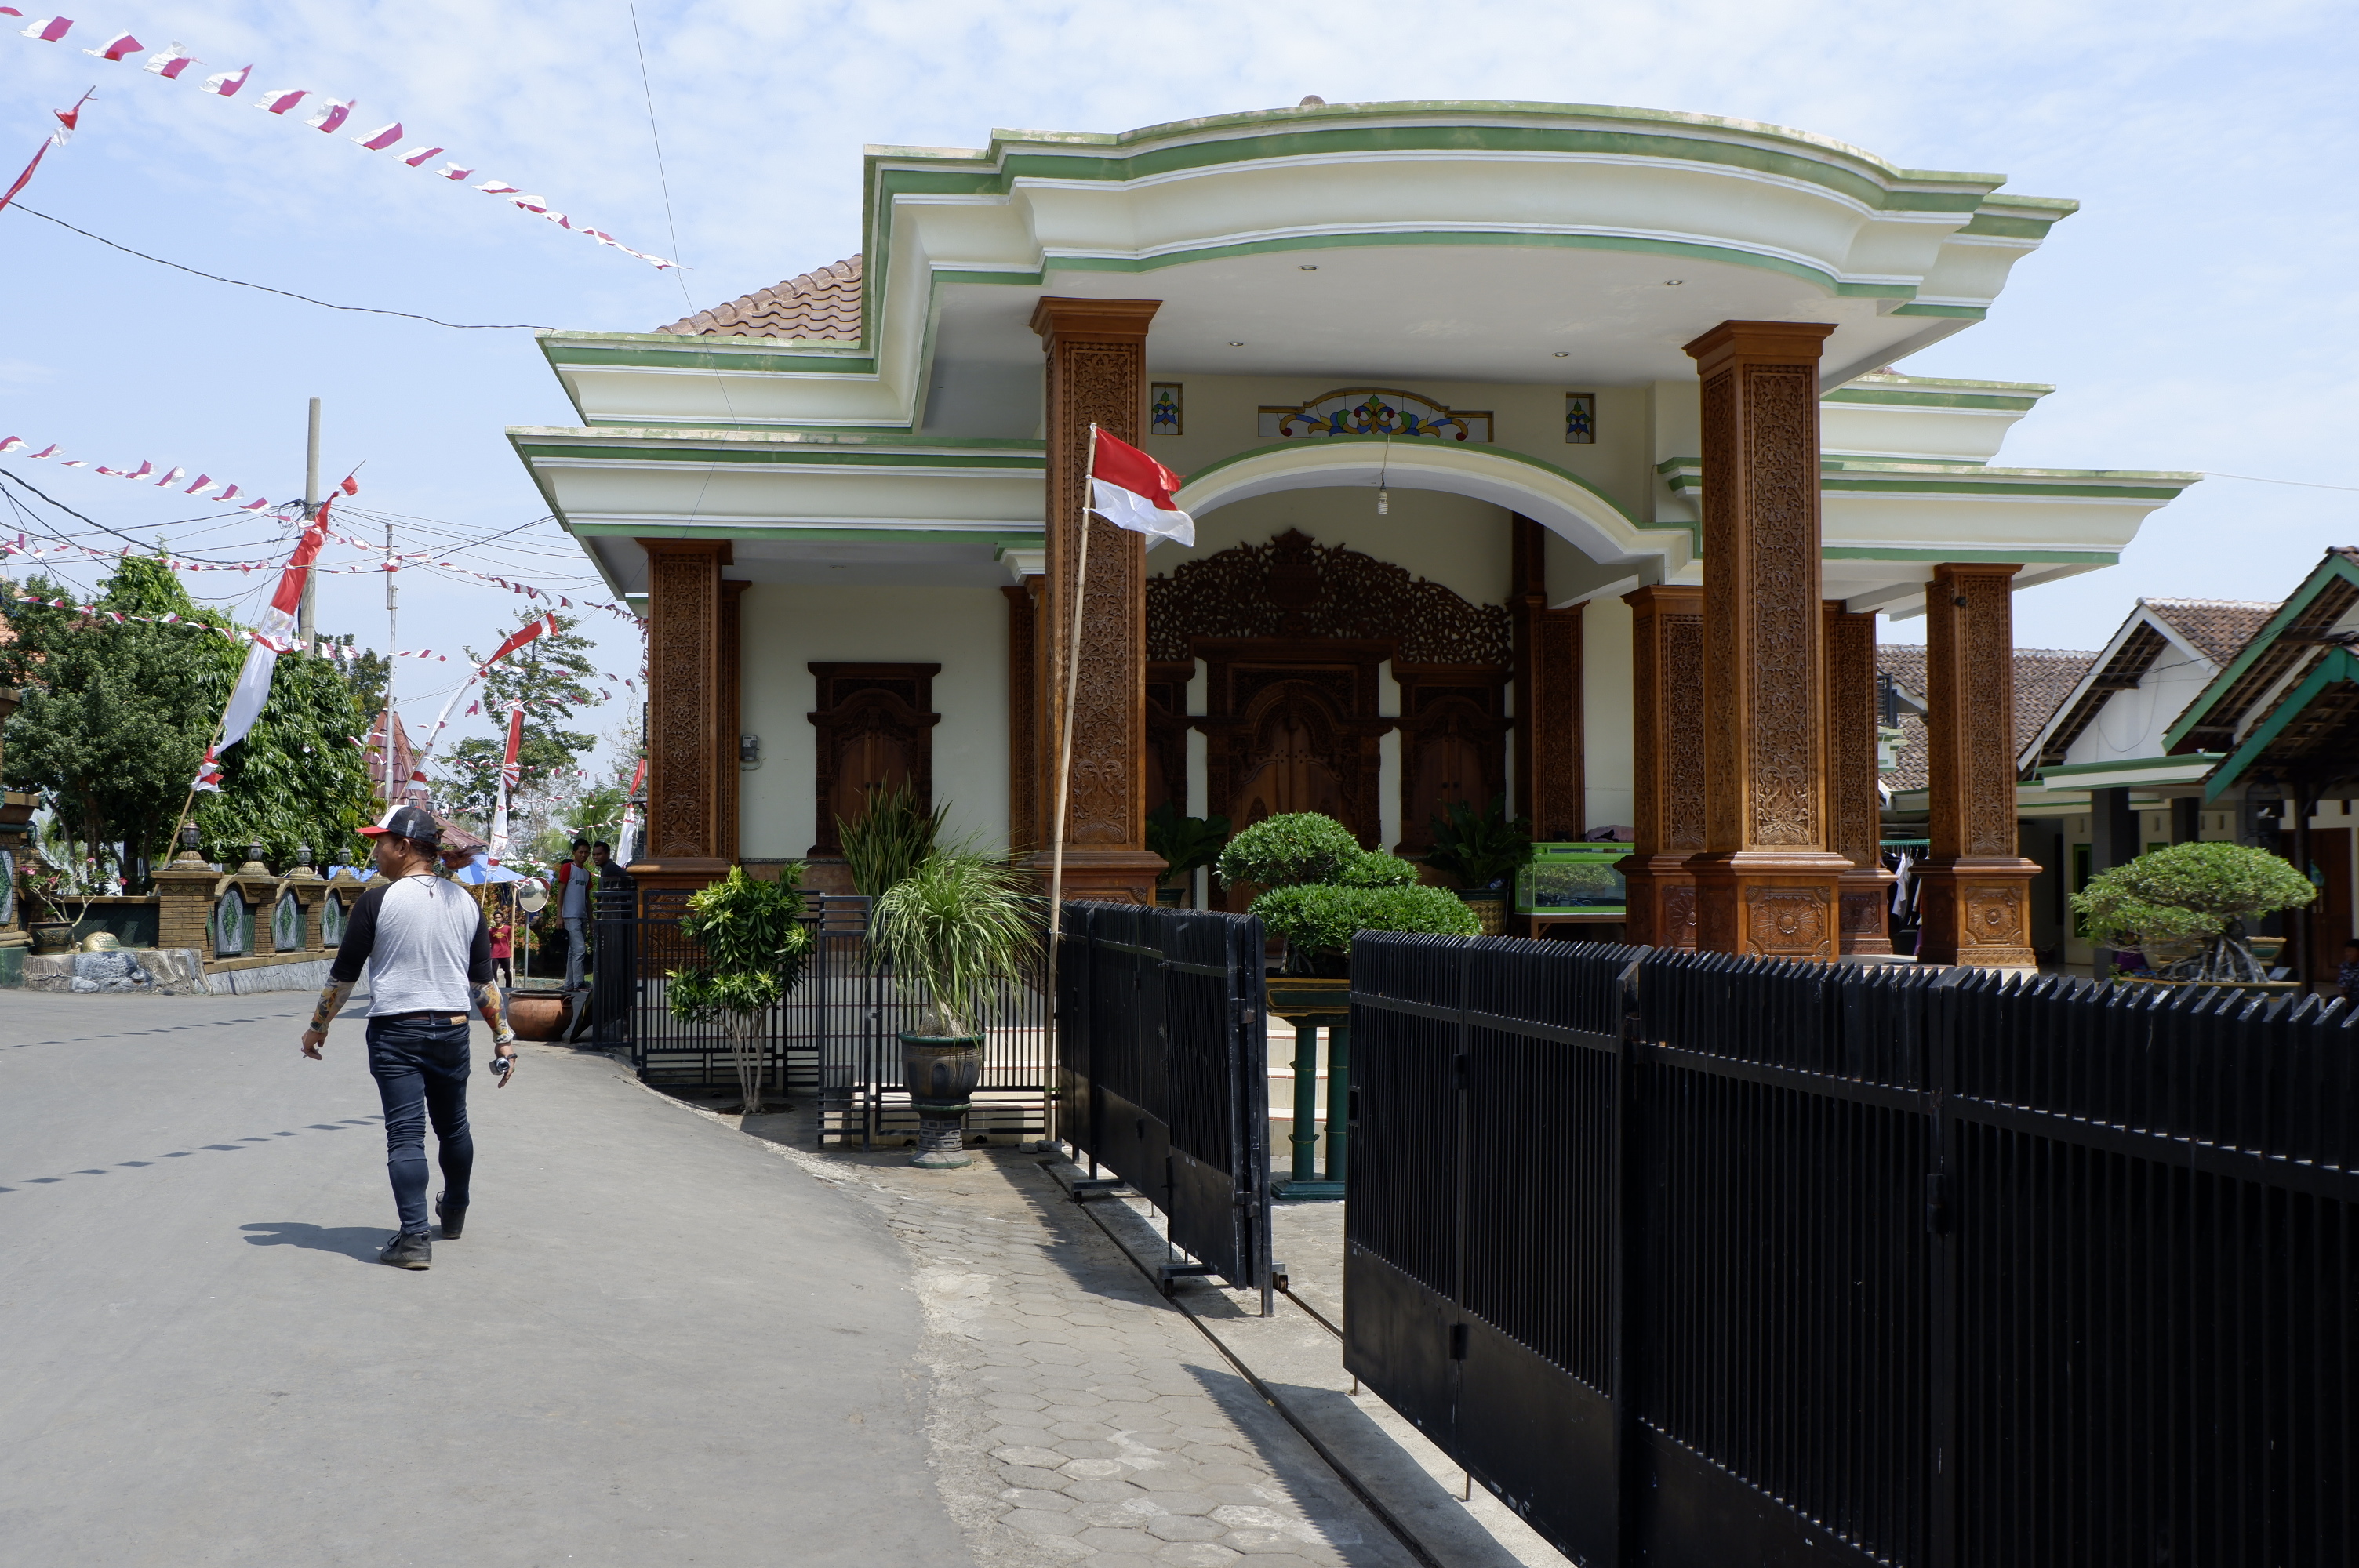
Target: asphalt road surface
x=656, y=1343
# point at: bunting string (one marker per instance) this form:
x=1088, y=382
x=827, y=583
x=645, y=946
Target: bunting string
x=329, y=115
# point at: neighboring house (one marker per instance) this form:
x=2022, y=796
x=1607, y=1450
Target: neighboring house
x=2201, y=718
x=2044, y=679
x=2282, y=717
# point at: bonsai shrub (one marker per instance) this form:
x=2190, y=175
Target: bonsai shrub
x=1318, y=922
x=1290, y=850
x=1376, y=868
x=1481, y=849
x=889, y=840
x=2203, y=891
x=954, y=929
x=1184, y=842
x=753, y=951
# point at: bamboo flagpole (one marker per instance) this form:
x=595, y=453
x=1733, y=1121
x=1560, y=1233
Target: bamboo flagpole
x=1132, y=492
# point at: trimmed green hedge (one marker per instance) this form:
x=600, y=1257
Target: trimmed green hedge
x=1287, y=850
x=1318, y=922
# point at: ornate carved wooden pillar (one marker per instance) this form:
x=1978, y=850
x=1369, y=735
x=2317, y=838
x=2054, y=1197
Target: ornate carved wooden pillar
x=1550, y=786
x=731, y=716
x=1666, y=764
x=1855, y=811
x=1766, y=884
x=1975, y=904
x=1097, y=374
x=1024, y=832
x=686, y=718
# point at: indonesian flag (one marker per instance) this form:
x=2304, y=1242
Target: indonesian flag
x=541, y=626
x=116, y=47
x=277, y=101
x=276, y=635
x=49, y=29
x=510, y=773
x=1131, y=489
x=168, y=63
x=66, y=120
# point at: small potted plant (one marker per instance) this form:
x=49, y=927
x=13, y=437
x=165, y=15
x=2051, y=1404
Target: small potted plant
x=1321, y=888
x=1186, y=843
x=2185, y=907
x=755, y=945
x=889, y=840
x=1483, y=850
x=954, y=929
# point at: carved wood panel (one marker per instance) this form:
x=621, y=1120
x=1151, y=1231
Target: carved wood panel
x=1024, y=832
x=730, y=719
x=1453, y=744
x=875, y=729
x=1970, y=710
x=1855, y=816
x=684, y=676
x=1295, y=586
x=1549, y=785
x=1097, y=373
x=1667, y=754
x=1284, y=720
x=1780, y=570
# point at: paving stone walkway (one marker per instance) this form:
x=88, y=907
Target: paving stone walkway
x=1076, y=1416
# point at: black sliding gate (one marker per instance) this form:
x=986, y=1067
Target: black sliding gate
x=1701, y=1260
x=1163, y=1074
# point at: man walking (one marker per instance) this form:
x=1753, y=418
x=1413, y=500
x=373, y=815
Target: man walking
x=427, y=948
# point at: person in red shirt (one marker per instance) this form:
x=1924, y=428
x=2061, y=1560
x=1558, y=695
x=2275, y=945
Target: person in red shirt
x=502, y=950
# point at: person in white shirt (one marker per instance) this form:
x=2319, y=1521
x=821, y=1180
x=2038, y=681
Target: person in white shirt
x=427, y=948
x=574, y=879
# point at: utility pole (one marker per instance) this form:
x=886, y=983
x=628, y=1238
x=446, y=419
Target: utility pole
x=391, y=664
x=303, y=617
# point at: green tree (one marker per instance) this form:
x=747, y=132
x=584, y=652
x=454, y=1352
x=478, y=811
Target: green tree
x=366, y=673
x=597, y=815
x=2200, y=892
x=550, y=677
x=117, y=715
x=753, y=947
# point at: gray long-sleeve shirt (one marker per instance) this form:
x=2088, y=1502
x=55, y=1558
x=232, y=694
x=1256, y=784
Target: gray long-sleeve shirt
x=425, y=943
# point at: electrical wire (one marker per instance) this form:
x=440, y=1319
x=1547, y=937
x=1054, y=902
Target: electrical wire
x=288, y=294
x=2297, y=483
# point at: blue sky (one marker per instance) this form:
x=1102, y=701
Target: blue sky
x=2198, y=313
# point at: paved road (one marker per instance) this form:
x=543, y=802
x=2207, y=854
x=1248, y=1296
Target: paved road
x=659, y=1344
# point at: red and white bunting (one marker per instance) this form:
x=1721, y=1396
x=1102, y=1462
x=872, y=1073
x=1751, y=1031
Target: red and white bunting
x=174, y=59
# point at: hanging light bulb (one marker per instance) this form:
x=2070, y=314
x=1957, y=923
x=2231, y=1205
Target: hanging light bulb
x=1383, y=469
x=1383, y=503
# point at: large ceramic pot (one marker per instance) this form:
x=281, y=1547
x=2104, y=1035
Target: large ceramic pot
x=52, y=936
x=941, y=1072
x=539, y=1015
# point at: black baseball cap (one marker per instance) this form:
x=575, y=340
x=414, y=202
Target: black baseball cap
x=407, y=822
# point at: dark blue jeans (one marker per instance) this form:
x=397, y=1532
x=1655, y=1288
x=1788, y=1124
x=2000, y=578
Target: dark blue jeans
x=420, y=1068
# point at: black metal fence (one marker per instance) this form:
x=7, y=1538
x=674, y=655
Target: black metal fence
x=1697, y=1260
x=1163, y=1071
x=835, y=1035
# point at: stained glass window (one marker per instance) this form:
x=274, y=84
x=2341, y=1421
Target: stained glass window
x=1163, y=408
x=1374, y=411
x=1580, y=418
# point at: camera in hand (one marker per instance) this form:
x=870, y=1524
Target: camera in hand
x=500, y=1065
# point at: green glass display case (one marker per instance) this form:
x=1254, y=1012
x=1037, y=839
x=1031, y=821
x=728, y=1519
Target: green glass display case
x=1572, y=880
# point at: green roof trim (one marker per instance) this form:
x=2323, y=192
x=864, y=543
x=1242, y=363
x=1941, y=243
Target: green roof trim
x=1693, y=530
x=1839, y=475
x=1993, y=557
x=1027, y=464
x=2339, y=665
x=2296, y=604
x=1959, y=312
x=2129, y=764
x=1012, y=536
x=1856, y=395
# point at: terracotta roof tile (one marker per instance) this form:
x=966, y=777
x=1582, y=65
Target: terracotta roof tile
x=2044, y=677
x=822, y=306
x=2221, y=627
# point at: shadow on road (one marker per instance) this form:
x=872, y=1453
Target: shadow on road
x=359, y=1243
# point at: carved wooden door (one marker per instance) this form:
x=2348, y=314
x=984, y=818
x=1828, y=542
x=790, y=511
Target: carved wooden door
x=1293, y=761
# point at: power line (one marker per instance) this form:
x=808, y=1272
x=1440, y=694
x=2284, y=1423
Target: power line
x=287, y=294
x=2299, y=484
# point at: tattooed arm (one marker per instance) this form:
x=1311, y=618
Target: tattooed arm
x=331, y=1002
x=487, y=1003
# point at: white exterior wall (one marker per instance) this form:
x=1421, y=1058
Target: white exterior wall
x=784, y=628
x=1459, y=543
x=1607, y=694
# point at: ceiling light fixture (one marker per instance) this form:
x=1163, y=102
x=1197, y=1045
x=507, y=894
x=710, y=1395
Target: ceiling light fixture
x=1384, y=468
x=1306, y=268
x=1564, y=354
x=1673, y=282
x=1234, y=345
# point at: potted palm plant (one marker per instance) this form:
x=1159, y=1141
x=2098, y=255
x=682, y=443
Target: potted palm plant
x=954, y=929
x=1184, y=843
x=1485, y=850
x=755, y=945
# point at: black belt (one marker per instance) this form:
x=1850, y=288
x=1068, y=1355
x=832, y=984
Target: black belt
x=429, y=1012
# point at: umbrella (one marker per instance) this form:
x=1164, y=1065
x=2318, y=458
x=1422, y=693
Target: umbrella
x=480, y=870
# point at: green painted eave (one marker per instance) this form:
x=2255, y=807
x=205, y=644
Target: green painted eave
x=1007, y=538
x=2296, y=604
x=816, y=450
x=1839, y=475
x=2339, y=665
x=2189, y=760
x=664, y=351
x=2006, y=396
